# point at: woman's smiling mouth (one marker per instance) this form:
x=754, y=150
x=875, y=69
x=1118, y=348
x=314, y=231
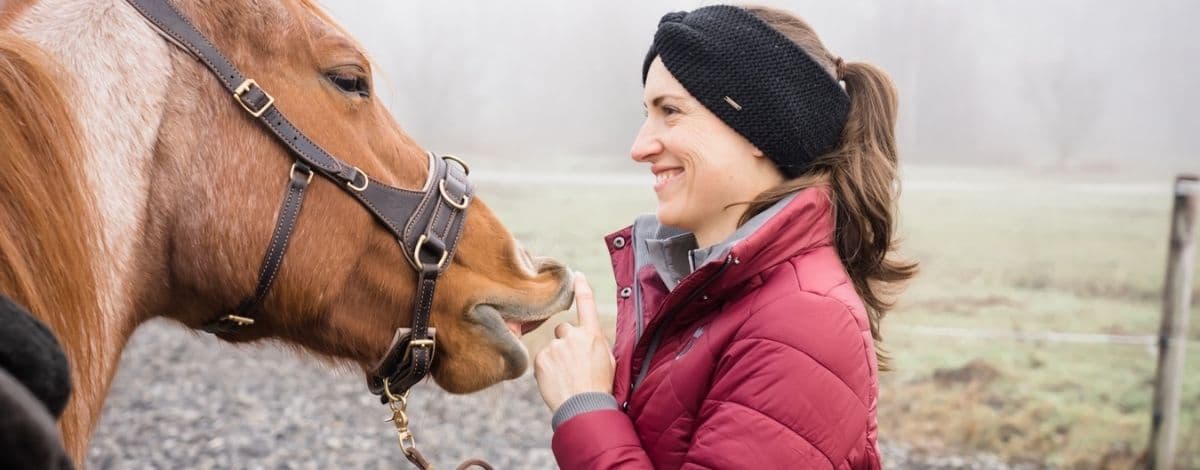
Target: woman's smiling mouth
x=664, y=176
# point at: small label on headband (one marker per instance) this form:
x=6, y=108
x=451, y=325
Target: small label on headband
x=733, y=103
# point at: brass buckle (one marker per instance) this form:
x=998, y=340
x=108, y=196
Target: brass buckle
x=366, y=181
x=243, y=88
x=457, y=205
x=417, y=255
x=418, y=343
x=466, y=169
x=292, y=174
x=238, y=319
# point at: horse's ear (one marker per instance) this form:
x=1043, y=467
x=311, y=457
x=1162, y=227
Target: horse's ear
x=30, y=353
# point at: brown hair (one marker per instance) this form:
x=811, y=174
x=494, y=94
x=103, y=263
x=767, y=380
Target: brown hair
x=860, y=172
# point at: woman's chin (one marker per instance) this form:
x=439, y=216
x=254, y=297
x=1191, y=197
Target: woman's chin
x=670, y=207
x=668, y=217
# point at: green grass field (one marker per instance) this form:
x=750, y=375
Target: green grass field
x=1000, y=250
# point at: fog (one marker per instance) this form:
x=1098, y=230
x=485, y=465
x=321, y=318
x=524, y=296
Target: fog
x=1095, y=84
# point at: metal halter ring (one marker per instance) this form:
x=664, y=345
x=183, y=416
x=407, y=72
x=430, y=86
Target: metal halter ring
x=393, y=398
x=292, y=173
x=466, y=168
x=417, y=254
x=366, y=181
x=457, y=205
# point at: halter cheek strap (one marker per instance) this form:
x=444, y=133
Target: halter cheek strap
x=298, y=179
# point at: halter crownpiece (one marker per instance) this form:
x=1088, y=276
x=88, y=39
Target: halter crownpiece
x=756, y=80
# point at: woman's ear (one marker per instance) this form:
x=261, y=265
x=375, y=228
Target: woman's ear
x=756, y=152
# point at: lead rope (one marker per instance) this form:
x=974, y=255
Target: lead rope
x=408, y=444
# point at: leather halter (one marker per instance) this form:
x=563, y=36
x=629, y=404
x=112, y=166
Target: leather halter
x=427, y=223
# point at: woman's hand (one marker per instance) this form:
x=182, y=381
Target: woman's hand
x=579, y=359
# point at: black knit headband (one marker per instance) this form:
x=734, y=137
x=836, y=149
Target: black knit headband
x=756, y=80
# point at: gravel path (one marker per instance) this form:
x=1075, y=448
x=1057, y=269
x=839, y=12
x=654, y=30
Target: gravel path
x=184, y=400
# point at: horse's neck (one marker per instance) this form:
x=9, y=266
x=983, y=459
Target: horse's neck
x=117, y=71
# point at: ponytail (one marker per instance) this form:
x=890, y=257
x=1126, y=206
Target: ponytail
x=861, y=176
x=863, y=180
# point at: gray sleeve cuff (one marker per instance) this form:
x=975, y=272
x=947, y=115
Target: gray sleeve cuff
x=583, y=403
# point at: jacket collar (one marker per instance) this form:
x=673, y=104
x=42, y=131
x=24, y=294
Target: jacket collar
x=792, y=226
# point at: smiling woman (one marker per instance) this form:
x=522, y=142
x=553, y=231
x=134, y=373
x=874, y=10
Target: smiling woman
x=698, y=161
x=749, y=306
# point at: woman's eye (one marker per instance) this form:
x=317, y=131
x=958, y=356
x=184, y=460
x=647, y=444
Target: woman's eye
x=669, y=110
x=351, y=84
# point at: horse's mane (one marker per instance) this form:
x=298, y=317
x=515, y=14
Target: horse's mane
x=46, y=225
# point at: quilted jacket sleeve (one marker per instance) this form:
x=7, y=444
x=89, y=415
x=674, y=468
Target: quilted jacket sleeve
x=772, y=404
x=599, y=439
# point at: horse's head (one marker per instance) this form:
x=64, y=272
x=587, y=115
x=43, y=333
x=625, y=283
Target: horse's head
x=344, y=286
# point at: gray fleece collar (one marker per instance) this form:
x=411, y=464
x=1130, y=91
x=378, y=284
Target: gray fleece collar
x=674, y=253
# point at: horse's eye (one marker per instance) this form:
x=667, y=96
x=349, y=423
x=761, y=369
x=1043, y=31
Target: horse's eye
x=351, y=84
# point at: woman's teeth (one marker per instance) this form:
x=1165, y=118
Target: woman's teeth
x=667, y=175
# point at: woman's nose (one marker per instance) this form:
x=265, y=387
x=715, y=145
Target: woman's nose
x=647, y=143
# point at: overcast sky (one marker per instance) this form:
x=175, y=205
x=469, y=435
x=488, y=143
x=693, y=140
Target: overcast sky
x=1082, y=83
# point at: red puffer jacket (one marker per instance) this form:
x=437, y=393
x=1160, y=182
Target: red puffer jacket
x=755, y=353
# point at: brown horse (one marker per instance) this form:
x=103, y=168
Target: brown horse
x=132, y=186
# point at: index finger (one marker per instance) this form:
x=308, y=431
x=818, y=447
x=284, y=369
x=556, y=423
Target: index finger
x=585, y=304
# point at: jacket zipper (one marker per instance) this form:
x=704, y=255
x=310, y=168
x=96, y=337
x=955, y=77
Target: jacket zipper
x=644, y=367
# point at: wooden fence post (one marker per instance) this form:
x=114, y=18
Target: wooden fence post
x=1173, y=333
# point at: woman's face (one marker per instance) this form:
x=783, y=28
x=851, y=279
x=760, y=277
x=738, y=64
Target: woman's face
x=701, y=165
